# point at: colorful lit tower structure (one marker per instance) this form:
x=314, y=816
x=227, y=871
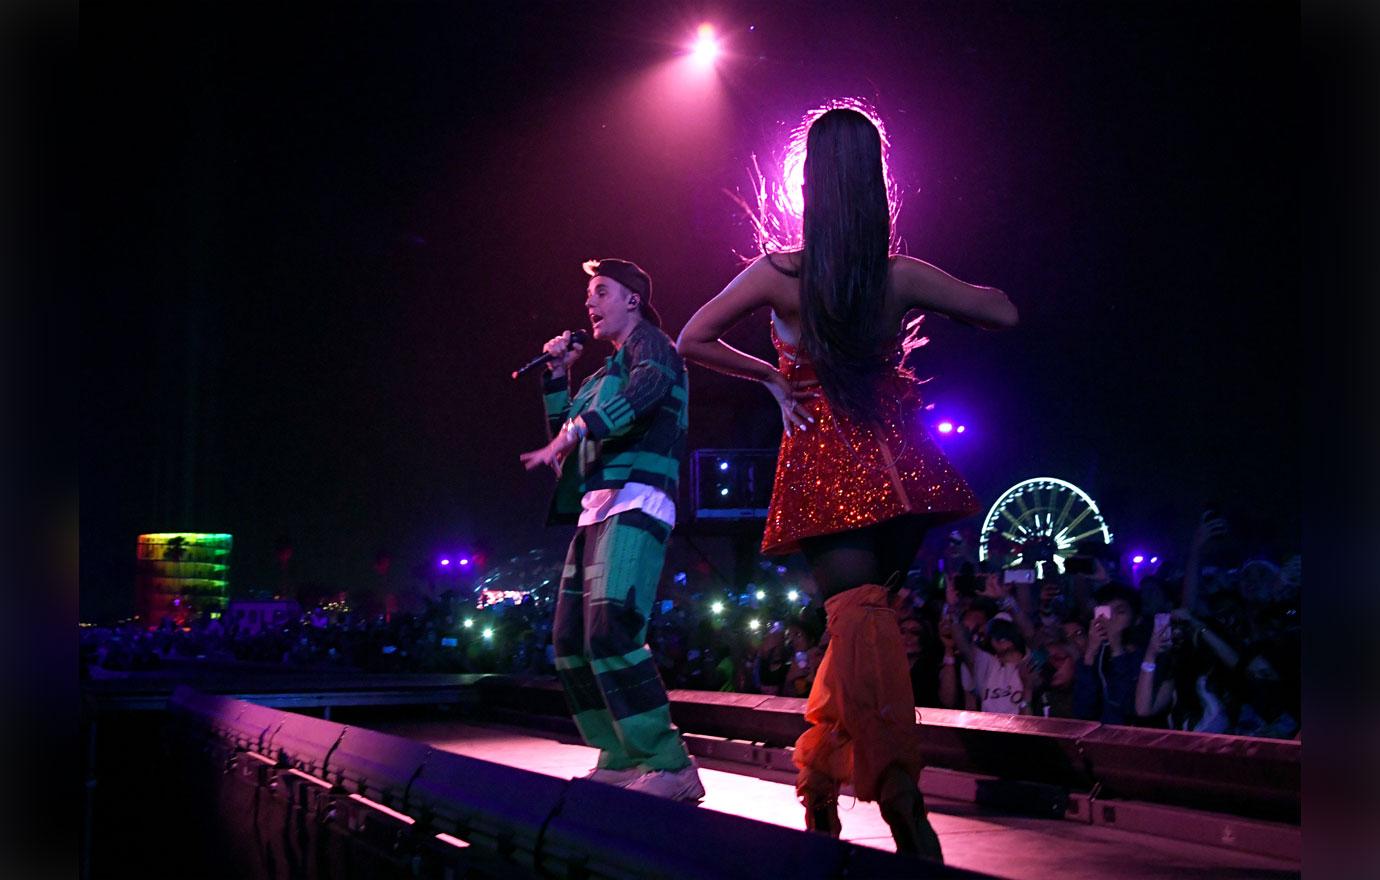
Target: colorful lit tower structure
x=182, y=575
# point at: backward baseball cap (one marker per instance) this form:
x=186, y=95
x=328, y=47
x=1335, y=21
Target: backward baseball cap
x=631, y=276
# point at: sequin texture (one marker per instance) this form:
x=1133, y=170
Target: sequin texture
x=842, y=474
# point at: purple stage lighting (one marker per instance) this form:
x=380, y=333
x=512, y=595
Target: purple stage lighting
x=706, y=46
x=1154, y=559
x=961, y=428
x=1138, y=559
x=464, y=560
x=946, y=427
x=445, y=562
x=723, y=465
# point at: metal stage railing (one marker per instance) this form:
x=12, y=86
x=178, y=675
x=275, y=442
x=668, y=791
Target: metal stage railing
x=1234, y=792
x=300, y=796
x=1239, y=776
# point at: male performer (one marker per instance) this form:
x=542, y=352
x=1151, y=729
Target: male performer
x=625, y=429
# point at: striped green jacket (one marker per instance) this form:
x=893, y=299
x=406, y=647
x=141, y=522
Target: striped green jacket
x=636, y=407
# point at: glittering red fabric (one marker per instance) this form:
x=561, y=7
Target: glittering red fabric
x=841, y=474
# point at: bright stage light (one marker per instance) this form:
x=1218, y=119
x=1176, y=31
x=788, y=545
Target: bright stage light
x=464, y=560
x=445, y=562
x=1137, y=559
x=753, y=624
x=706, y=46
x=761, y=594
x=793, y=595
x=961, y=428
x=717, y=608
x=946, y=427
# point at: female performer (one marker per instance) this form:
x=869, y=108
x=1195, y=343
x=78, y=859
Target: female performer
x=858, y=479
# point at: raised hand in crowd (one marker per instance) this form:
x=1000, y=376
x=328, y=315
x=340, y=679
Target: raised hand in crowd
x=950, y=695
x=1210, y=526
x=1151, y=700
x=1097, y=637
x=1201, y=631
x=1031, y=680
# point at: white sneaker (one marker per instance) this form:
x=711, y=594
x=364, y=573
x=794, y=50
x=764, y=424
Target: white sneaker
x=619, y=778
x=677, y=785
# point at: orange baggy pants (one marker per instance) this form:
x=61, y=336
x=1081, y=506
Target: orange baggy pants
x=861, y=710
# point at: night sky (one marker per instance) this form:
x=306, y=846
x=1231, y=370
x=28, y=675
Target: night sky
x=318, y=238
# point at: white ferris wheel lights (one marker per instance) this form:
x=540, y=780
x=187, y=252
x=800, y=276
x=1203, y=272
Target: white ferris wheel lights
x=1039, y=521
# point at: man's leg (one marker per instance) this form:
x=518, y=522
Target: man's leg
x=582, y=692
x=620, y=580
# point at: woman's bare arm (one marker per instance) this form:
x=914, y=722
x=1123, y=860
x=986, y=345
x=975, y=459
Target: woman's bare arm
x=700, y=341
x=931, y=289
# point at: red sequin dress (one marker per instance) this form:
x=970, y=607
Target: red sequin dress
x=842, y=474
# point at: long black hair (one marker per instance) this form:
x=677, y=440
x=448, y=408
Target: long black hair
x=844, y=262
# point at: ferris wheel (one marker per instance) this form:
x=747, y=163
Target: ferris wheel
x=1039, y=521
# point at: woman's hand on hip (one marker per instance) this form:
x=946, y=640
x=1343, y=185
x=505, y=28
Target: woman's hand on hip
x=791, y=397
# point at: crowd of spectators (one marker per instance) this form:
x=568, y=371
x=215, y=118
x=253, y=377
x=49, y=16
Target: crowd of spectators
x=447, y=635
x=1213, y=649
x=1185, y=646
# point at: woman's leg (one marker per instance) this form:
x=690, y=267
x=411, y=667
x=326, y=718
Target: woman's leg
x=843, y=561
x=871, y=555
x=861, y=710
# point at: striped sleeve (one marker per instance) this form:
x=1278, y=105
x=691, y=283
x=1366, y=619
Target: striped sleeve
x=653, y=367
x=555, y=396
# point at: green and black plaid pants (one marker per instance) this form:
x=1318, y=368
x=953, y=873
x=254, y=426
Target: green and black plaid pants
x=611, y=682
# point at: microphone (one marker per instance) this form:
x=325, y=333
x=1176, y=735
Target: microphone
x=577, y=337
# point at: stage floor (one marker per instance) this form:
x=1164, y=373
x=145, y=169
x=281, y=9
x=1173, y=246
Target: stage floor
x=1013, y=847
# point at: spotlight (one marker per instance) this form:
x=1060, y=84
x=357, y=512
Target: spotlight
x=761, y=594
x=706, y=46
x=723, y=465
x=489, y=632
x=717, y=608
x=961, y=428
x=1138, y=559
x=1154, y=559
x=469, y=624
x=445, y=562
x=793, y=595
x=753, y=624
x=946, y=427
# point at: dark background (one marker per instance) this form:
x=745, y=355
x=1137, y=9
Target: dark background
x=316, y=239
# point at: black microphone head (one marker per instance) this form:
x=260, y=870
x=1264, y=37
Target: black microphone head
x=578, y=337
